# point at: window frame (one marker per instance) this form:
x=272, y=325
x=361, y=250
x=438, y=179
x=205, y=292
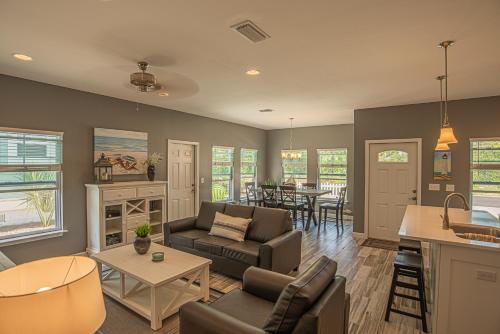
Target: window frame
x=20, y=187
x=283, y=174
x=333, y=165
x=255, y=165
x=473, y=167
x=231, y=183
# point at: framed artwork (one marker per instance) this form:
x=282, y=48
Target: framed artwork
x=126, y=150
x=442, y=165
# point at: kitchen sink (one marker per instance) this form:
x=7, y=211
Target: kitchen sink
x=479, y=233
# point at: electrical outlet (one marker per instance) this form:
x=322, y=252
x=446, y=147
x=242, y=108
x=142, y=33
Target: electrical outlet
x=450, y=188
x=202, y=180
x=489, y=276
x=434, y=186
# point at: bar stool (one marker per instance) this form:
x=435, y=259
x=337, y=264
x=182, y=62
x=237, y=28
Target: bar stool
x=410, y=245
x=409, y=265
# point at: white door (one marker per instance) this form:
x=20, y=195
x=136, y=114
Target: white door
x=392, y=186
x=181, y=180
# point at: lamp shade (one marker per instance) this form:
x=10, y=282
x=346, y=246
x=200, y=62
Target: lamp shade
x=447, y=136
x=56, y=295
x=441, y=147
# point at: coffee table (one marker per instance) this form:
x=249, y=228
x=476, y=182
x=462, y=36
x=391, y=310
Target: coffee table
x=155, y=290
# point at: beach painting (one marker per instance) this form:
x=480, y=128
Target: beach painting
x=126, y=150
x=442, y=165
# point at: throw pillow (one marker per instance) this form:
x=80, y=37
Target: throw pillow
x=298, y=296
x=229, y=227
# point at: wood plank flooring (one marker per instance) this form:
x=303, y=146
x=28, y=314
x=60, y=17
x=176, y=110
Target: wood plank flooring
x=368, y=272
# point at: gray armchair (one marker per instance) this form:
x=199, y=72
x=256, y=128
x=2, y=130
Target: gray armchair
x=269, y=302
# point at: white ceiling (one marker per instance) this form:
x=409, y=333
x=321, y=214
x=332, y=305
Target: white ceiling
x=324, y=58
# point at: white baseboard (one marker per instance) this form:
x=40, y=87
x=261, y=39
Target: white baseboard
x=358, y=235
x=81, y=254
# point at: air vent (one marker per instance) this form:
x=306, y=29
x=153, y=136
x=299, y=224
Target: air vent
x=250, y=31
x=266, y=110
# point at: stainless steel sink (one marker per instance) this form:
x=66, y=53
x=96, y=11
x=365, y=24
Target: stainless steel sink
x=476, y=232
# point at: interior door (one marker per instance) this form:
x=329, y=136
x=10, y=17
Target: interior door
x=182, y=182
x=392, y=186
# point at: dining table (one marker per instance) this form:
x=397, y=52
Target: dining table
x=311, y=196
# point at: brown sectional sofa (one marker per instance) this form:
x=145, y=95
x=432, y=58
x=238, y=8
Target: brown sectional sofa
x=270, y=243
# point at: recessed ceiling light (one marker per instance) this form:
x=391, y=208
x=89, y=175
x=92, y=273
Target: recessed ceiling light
x=253, y=72
x=163, y=94
x=21, y=56
x=266, y=110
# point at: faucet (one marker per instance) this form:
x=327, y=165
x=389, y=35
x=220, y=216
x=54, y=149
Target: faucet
x=446, y=218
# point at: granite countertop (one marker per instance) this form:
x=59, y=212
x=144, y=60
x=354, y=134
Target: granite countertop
x=425, y=223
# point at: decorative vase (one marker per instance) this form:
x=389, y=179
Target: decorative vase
x=151, y=173
x=142, y=245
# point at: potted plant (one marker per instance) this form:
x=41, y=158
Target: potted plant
x=142, y=241
x=152, y=161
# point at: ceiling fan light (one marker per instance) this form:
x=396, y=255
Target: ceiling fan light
x=447, y=136
x=441, y=147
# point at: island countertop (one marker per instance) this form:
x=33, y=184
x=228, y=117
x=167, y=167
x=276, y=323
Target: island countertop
x=425, y=223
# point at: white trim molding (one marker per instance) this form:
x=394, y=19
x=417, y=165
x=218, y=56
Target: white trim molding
x=418, y=141
x=196, y=173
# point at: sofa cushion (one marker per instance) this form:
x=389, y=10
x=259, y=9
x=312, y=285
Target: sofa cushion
x=268, y=223
x=212, y=244
x=187, y=238
x=297, y=297
x=239, y=210
x=207, y=214
x=245, y=307
x=234, y=228
x=246, y=251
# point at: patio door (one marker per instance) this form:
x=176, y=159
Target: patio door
x=393, y=172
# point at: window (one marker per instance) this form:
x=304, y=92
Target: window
x=222, y=173
x=485, y=175
x=332, y=170
x=294, y=168
x=393, y=156
x=248, y=169
x=30, y=183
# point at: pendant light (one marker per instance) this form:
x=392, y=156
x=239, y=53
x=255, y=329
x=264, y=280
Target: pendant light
x=446, y=135
x=441, y=146
x=290, y=154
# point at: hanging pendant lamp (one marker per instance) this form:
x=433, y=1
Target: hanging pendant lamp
x=446, y=135
x=290, y=154
x=441, y=146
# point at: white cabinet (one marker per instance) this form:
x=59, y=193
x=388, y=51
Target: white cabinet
x=115, y=210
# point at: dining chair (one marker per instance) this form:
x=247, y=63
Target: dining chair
x=252, y=196
x=289, y=202
x=269, y=196
x=337, y=205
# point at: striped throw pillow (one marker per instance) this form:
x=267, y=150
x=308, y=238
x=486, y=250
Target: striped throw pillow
x=229, y=227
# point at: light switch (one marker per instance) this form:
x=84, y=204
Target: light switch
x=450, y=187
x=202, y=180
x=434, y=186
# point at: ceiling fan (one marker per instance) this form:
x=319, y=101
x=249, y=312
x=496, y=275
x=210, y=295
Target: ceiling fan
x=144, y=82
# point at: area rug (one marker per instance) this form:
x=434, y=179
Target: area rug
x=121, y=320
x=383, y=244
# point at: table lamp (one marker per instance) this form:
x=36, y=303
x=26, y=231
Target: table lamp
x=55, y=295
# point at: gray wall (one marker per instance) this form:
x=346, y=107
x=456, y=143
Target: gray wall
x=471, y=118
x=32, y=105
x=311, y=138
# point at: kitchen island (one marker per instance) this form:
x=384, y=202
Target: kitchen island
x=464, y=273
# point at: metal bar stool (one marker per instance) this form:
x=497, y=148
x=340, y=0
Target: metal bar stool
x=409, y=265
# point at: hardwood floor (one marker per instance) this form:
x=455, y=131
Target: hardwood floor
x=368, y=272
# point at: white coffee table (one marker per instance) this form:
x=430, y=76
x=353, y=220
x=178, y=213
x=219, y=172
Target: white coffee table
x=154, y=290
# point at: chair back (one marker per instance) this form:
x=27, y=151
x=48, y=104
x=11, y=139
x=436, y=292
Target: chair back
x=269, y=196
x=250, y=191
x=288, y=194
x=341, y=200
x=309, y=185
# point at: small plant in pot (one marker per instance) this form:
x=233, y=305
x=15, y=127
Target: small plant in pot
x=142, y=241
x=152, y=161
